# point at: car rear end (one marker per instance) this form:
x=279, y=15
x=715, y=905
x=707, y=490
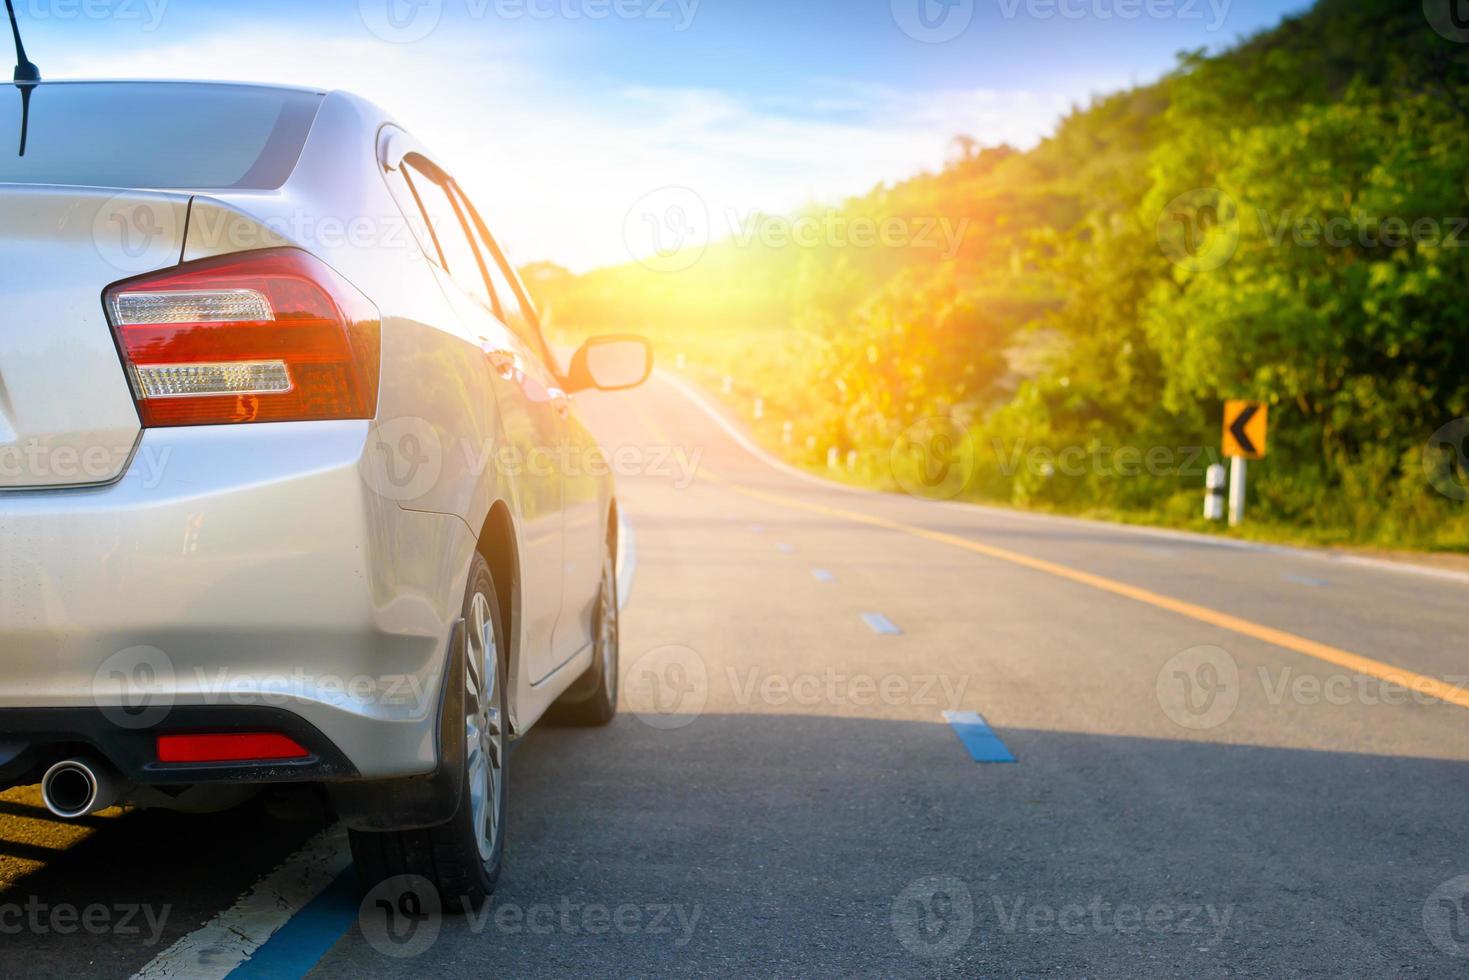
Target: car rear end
x=198, y=585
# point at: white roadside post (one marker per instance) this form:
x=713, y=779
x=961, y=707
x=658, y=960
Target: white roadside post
x=1236, y=490
x=728, y=385
x=1214, y=493
x=759, y=408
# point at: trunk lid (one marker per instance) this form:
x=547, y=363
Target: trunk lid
x=67, y=416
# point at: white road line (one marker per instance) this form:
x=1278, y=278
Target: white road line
x=786, y=549
x=227, y=940
x=822, y=575
x=717, y=414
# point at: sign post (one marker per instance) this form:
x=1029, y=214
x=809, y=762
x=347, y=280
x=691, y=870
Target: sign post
x=1245, y=430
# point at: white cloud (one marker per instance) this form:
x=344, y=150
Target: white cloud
x=556, y=171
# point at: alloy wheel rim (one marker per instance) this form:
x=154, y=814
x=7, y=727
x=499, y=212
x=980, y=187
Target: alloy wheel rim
x=483, y=726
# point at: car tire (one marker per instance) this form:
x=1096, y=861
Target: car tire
x=461, y=859
x=592, y=700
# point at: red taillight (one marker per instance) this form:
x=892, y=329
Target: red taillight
x=230, y=747
x=268, y=336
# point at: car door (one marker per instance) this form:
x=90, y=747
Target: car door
x=532, y=410
x=584, y=473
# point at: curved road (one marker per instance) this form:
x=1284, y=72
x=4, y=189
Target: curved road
x=1228, y=761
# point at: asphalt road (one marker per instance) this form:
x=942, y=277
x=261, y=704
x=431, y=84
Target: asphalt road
x=1207, y=782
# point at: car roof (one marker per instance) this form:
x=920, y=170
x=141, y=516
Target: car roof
x=195, y=83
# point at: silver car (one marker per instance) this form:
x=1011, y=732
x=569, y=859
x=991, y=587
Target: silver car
x=291, y=487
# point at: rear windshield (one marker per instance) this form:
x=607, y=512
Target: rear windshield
x=154, y=135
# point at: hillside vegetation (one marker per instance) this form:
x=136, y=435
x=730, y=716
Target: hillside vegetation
x=1283, y=222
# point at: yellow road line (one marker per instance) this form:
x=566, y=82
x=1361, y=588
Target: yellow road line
x=1400, y=676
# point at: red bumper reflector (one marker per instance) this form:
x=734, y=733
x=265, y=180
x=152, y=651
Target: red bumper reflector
x=232, y=747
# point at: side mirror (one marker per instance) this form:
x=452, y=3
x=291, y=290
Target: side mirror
x=611, y=363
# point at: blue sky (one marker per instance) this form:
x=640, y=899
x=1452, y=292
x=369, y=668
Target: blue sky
x=560, y=116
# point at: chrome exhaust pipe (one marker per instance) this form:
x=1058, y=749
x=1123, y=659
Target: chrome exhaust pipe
x=76, y=787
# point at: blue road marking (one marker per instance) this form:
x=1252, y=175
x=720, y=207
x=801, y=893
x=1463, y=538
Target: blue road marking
x=1305, y=580
x=300, y=944
x=879, y=623
x=983, y=744
x=822, y=575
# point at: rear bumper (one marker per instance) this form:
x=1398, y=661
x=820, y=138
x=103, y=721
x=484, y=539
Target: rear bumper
x=232, y=570
x=33, y=738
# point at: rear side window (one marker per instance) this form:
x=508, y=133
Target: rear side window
x=450, y=233
x=155, y=135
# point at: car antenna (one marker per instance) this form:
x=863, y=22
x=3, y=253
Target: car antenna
x=27, y=77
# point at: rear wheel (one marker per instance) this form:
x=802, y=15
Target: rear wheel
x=592, y=700
x=461, y=859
